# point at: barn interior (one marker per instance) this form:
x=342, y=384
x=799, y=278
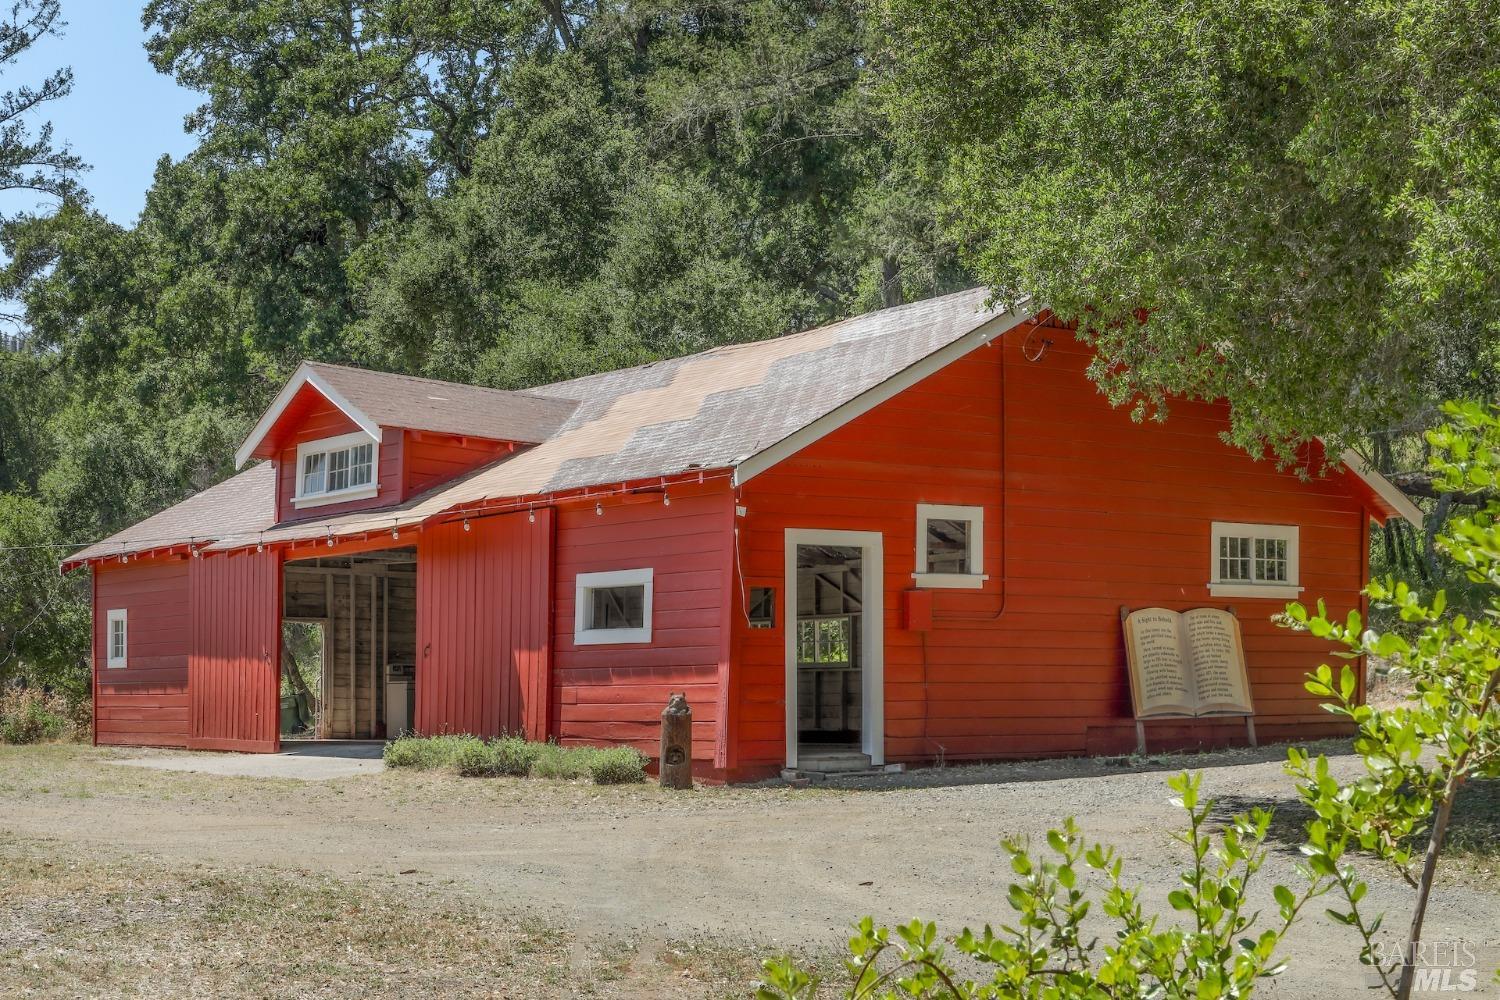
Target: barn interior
x=349, y=638
x=830, y=660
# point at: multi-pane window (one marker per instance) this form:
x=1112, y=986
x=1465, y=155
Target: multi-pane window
x=337, y=466
x=115, y=638
x=613, y=607
x=950, y=546
x=1254, y=559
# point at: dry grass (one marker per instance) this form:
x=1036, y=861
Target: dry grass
x=137, y=927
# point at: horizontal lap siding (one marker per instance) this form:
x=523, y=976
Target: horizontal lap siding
x=324, y=420
x=1100, y=511
x=483, y=612
x=144, y=703
x=615, y=693
x=429, y=459
x=234, y=663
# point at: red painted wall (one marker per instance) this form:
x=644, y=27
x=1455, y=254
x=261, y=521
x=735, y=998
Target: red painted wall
x=615, y=693
x=321, y=419
x=144, y=703
x=235, y=652
x=1099, y=511
x=429, y=459
x=482, y=619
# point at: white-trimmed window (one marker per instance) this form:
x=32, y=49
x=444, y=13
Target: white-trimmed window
x=337, y=469
x=613, y=607
x=950, y=546
x=116, y=638
x=1253, y=560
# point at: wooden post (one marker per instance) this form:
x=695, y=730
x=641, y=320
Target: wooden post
x=677, y=744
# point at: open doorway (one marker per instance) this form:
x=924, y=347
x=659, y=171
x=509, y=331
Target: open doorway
x=359, y=613
x=303, y=665
x=835, y=702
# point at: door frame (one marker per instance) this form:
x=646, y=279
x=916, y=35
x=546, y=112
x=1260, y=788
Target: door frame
x=872, y=633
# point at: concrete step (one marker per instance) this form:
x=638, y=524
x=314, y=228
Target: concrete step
x=833, y=761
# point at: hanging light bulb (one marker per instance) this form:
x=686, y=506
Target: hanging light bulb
x=531, y=515
x=330, y=538
x=395, y=531
x=598, y=510
x=466, y=524
x=666, y=499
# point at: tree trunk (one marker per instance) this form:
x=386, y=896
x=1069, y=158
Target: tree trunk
x=890, y=282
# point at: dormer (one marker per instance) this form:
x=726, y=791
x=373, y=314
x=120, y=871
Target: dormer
x=345, y=439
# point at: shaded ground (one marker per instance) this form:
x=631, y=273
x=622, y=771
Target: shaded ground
x=578, y=890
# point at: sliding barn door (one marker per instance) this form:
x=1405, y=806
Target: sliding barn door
x=484, y=606
x=233, y=663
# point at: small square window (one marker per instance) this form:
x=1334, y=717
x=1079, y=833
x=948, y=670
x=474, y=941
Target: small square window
x=613, y=607
x=762, y=613
x=1254, y=560
x=115, y=639
x=950, y=546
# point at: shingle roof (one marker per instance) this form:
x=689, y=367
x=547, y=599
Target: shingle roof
x=705, y=411
x=448, y=407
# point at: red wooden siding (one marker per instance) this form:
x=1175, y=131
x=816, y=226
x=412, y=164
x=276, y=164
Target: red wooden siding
x=615, y=693
x=429, y=459
x=144, y=703
x=482, y=617
x=1098, y=511
x=318, y=419
x=234, y=664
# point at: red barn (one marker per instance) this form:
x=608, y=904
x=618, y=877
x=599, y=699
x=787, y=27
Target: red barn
x=902, y=537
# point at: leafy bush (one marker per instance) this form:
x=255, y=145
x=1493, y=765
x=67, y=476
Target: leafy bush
x=619, y=766
x=555, y=761
x=476, y=760
x=1045, y=950
x=29, y=715
x=514, y=756
x=427, y=753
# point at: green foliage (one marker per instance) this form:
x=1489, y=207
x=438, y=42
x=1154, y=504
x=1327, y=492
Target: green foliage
x=29, y=715
x=1049, y=949
x=1417, y=755
x=515, y=756
x=1303, y=195
x=618, y=766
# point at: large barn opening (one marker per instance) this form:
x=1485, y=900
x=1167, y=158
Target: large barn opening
x=349, y=639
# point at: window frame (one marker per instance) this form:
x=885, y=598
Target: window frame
x=583, y=587
x=113, y=616
x=972, y=580
x=1273, y=589
x=326, y=447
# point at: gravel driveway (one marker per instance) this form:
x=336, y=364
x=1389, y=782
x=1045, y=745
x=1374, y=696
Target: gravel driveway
x=769, y=864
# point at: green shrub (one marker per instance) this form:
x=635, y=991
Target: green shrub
x=29, y=715
x=619, y=766
x=427, y=753
x=515, y=756
x=477, y=760
x=555, y=761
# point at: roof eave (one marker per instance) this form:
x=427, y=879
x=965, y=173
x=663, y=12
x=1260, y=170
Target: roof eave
x=303, y=376
x=1397, y=504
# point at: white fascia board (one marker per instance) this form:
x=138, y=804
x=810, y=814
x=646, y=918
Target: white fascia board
x=748, y=468
x=1383, y=487
x=304, y=375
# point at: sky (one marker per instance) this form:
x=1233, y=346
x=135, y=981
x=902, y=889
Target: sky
x=121, y=116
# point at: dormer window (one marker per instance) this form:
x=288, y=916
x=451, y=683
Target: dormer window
x=336, y=469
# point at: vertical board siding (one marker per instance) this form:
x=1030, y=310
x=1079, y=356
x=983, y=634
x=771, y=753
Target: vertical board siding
x=234, y=664
x=1099, y=511
x=320, y=419
x=615, y=693
x=483, y=609
x=429, y=459
x=144, y=703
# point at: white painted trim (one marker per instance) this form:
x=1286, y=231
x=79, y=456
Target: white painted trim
x=324, y=446
x=1289, y=533
x=1276, y=591
x=304, y=375
x=872, y=619
x=1383, y=487
x=753, y=465
x=585, y=582
x=111, y=661
x=975, y=516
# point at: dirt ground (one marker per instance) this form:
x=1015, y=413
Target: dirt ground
x=690, y=887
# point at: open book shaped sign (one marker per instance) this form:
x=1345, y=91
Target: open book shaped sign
x=1186, y=664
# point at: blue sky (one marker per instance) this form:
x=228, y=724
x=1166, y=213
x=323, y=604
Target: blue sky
x=122, y=115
